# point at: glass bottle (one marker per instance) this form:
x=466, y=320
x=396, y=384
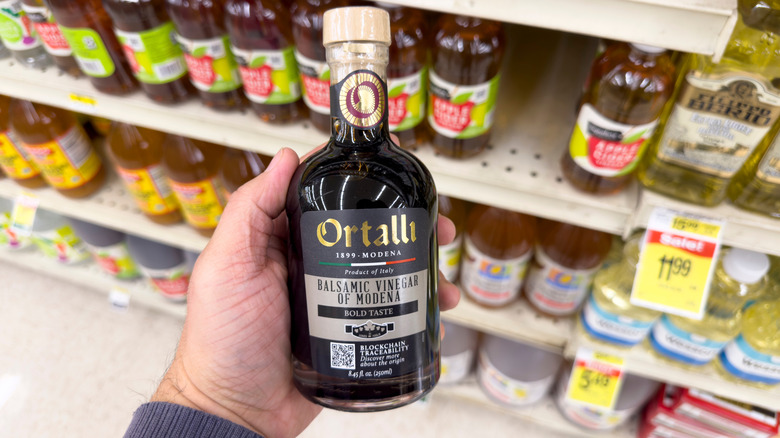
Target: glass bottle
x=192, y=167
x=59, y=147
x=200, y=25
x=721, y=112
x=463, y=84
x=450, y=254
x=362, y=199
x=497, y=248
x=87, y=28
x=14, y=161
x=238, y=167
x=53, y=41
x=629, y=86
x=147, y=37
x=20, y=37
x=310, y=54
x=137, y=153
x=262, y=41
x=565, y=260
x=756, y=186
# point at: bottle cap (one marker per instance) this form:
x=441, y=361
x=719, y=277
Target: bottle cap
x=745, y=266
x=356, y=24
x=647, y=49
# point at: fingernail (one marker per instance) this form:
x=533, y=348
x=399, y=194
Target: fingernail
x=276, y=159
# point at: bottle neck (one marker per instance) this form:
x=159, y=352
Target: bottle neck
x=358, y=92
x=643, y=57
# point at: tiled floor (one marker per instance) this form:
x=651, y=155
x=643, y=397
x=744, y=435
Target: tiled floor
x=70, y=366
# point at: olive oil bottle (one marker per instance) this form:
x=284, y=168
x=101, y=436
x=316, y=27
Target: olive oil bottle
x=756, y=187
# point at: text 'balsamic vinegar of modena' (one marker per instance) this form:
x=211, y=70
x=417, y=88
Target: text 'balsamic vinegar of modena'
x=363, y=250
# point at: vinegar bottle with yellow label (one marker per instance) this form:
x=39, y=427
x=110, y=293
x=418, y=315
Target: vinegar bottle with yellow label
x=721, y=112
x=14, y=161
x=59, y=147
x=192, y=167
x=137, y=154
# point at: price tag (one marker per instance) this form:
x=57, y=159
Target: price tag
x=677, y=263
x=82, y=104
x=595, y=379
x=119, y=298
x=23, y=214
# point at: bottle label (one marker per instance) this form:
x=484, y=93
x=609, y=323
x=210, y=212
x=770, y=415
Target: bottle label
x=591, y=417
x=554, y=288
x=456, y=367
x=61, y=244
x=150, y=189
x=677, y=344
x=16, y=30
x=461, y=111
x=172, y=283
x=717, y=122
x=13, y=160
x=89, y=51
x=406, y=100
x=769, y=167
x=115, y=260
x=154, y=55
x=449, y=258
x=315, y=77
x=742, y=360
x=212, y=66
x=612, y=328
x=360, y=99
x=492, y=281
x=607, y=148
x=66, y=162
x=202, y=202
x=508, y=390
x=8, y=236
x=367, y=281
x=47, y=29
x=270, y=76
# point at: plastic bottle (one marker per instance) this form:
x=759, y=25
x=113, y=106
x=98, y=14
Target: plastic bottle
x=754, y=356
x=9, y=239
x=54, y=237
x=565, y=260
x=53, y=41
x=165, y=266
x=147, y=37
x=13, y=159
x=740, y=277
x=200, y=26
x=310, y=54
x=634, y=393
x=407, y=73
x=192, y=167
x=58, y=145
x=137, y=153
x=238, y=167
x=756, y=186
x=515, y=374
x=20, y=37
x=450, y=254
x=458, y=350
x=262, y=41
x=108, y=249
x=629, y=86
x=463, y=87
x=608, y=315
x=497, y=247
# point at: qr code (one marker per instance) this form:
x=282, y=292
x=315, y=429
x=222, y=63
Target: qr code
x=342, y=356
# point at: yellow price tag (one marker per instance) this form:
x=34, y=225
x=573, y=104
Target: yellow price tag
x=23, y=214
x=81, y=103
x=595, y=379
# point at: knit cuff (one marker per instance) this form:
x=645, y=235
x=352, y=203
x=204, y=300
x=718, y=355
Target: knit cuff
x=168, y=420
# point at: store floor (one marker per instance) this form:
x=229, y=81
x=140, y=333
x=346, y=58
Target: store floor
x=70, y=366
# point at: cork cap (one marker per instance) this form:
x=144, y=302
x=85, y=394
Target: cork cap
x=356, y=24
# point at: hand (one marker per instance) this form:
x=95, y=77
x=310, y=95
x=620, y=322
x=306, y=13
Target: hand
x=233, y=359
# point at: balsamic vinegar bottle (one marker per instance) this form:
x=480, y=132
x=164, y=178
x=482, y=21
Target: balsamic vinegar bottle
x=363, y=251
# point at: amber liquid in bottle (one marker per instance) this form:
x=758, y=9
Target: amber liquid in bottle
x=137, y=153
x=58, y=145
x=52, y=38
x=239, y=167
x=467, y=51
x=82, y=23
x=14, y=161
x=134, y=16
x=198, y=20
x=264, y=25
x=628, y=86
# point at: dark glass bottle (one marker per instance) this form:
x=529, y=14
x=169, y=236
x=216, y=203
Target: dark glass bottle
x=364, y=338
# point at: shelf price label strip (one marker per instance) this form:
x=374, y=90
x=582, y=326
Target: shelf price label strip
x=595, y=379
x=677, y=262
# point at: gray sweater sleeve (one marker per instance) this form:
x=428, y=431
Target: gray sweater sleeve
x=168, y=420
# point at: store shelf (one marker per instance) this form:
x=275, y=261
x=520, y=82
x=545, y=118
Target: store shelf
x=91, y=277
x=641, y=361
x=699, y=26
x=113, y=208
x=545, y=413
